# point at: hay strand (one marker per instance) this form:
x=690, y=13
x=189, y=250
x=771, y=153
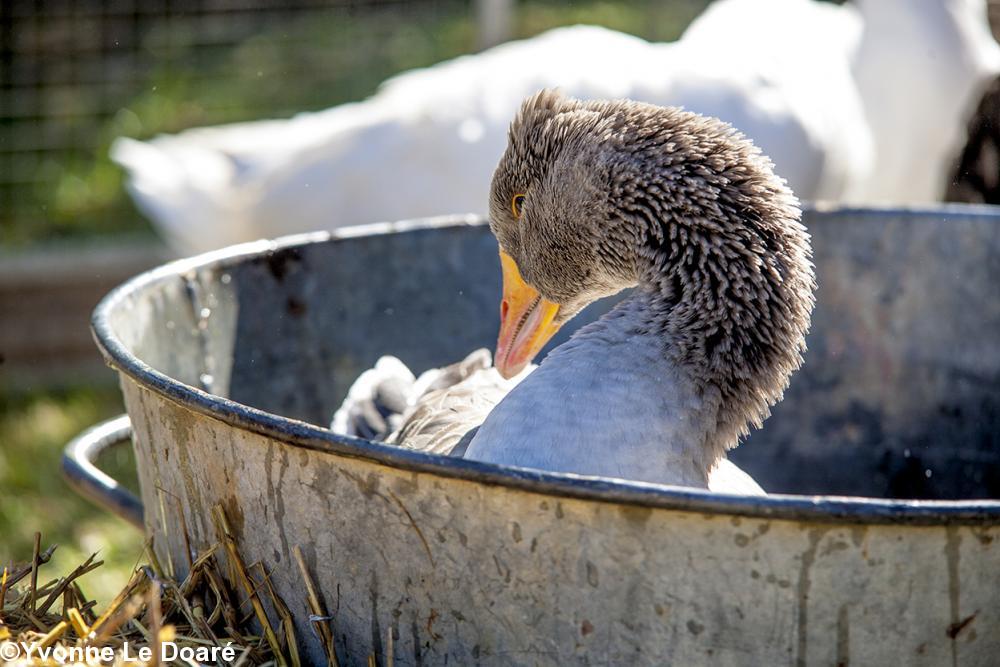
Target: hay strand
x=240, y=571
x=320, y=620
x=198, y=612
x=34, y=572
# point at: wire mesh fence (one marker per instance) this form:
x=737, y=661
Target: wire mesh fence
x=74, y=74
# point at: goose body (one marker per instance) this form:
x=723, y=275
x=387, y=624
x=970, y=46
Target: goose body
x=431, y=136
x=441, y=412
x=591, y=198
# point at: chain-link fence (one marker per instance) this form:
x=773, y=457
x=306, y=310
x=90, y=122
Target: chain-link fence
x=74, y=74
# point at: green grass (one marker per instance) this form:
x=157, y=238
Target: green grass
x=34, y=427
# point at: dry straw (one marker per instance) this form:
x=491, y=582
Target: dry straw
x=210, y=607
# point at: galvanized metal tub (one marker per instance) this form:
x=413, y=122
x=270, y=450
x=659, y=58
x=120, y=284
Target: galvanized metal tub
x=232, y=362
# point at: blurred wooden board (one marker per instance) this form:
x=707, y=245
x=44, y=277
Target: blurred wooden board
x=46, y=298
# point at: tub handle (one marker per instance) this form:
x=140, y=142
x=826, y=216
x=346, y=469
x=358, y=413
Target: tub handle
x=94, y=484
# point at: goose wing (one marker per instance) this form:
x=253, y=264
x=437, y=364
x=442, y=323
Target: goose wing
x=432, y=413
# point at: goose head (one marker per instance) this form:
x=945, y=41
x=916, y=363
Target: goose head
x=592, y=197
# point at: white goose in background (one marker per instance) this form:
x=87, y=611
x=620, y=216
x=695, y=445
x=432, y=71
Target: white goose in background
x=859, y=104
x=591, y=198
x=921, y=68
x=426, y=142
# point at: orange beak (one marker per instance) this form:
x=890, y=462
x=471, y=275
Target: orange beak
x=526, y=321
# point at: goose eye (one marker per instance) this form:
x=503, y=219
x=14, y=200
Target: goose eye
x=516, y=204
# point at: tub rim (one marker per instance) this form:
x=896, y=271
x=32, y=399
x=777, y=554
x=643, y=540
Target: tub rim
x=296, y=433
